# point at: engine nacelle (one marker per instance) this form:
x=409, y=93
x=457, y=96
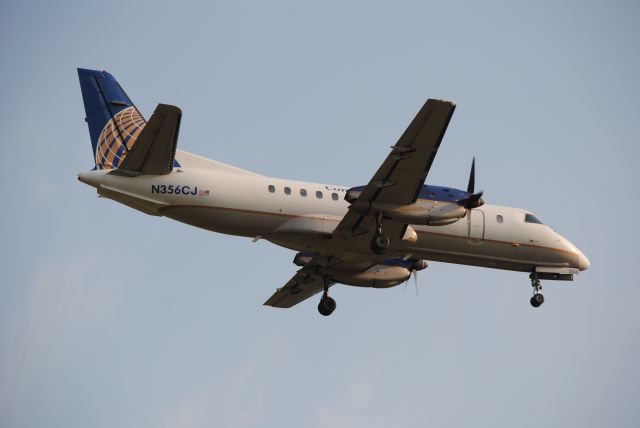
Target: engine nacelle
x=378, y=276
x=424, y=211
x=439, y=214
x=389, y=274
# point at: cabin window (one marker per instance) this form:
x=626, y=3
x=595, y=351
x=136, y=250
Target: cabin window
x=272, y=188
x=499, y=218
x=319, y=194
x=303, y=193
x=287, y=190
x=334, y=196
x=530, y=218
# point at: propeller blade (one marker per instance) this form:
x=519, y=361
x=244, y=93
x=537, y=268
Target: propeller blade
x=472, y=200
x=415, y=280
x=472, y=177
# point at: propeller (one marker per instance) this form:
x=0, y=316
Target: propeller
x=472, y=176
x=472, y=200
x=414, y=274
x=417, y=265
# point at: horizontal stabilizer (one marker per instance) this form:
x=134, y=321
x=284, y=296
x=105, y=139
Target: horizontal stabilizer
x=141, y=203
x=155, y=150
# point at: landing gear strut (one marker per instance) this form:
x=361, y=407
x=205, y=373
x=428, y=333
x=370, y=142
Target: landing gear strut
x=327, y=305
x=380, y=241
x=538, y=298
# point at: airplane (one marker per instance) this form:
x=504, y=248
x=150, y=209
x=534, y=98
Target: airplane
x=376, y=235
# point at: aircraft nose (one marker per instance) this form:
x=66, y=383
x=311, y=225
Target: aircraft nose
x=584, y=262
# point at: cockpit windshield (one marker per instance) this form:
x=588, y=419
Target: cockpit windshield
x=530, y=218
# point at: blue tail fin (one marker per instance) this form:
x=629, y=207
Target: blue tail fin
x=114, y=121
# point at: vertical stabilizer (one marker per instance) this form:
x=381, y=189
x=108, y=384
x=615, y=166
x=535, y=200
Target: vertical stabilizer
x=114, y=121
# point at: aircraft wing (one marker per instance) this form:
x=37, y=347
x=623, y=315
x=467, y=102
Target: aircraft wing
x=402, y=174
x=303, y=285
x=398, y=181
x=155, y=149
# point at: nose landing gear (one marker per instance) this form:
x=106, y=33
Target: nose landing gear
x=538, y=298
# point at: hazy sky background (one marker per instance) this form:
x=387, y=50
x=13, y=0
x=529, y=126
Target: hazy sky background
x=111, y=318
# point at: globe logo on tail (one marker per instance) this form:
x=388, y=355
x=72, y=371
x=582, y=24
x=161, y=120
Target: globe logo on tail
x=118, y=137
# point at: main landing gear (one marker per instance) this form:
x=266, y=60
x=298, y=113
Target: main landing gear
x=327, y=305
x=538, y=298
x=380, y=241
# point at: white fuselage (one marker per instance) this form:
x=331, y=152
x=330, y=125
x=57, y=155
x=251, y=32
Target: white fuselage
x=301, y=216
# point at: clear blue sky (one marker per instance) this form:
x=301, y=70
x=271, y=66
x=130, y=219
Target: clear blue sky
x=112, y=318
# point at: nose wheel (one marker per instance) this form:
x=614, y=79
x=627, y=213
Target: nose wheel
x=537, y=299
x=327, y=304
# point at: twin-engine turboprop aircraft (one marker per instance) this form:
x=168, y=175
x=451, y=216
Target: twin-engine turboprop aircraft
x=368, y=236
